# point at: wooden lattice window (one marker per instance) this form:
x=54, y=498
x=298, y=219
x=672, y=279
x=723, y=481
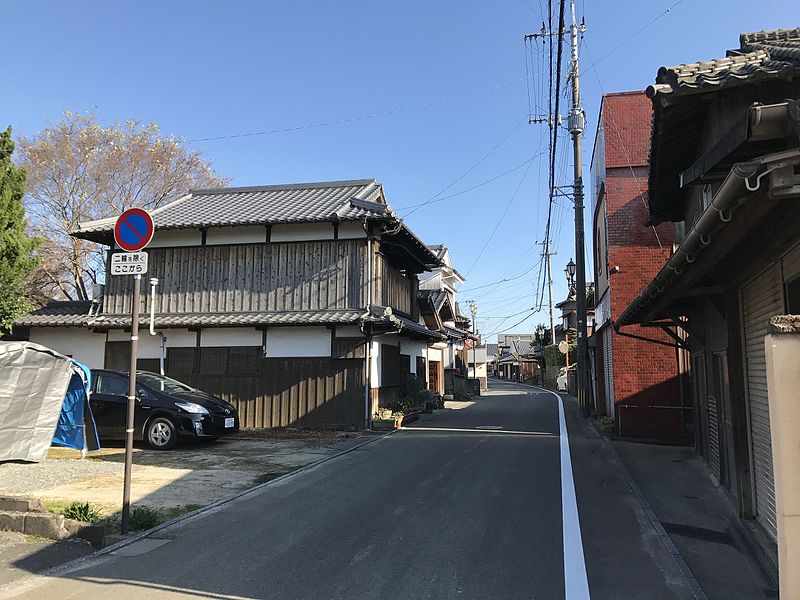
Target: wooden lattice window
x=213, y=361
x=180, y=360
x=242, y=360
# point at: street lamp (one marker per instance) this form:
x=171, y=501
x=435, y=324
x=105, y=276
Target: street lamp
x=569, y=271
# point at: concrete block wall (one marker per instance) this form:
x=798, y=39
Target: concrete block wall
x=645, y=374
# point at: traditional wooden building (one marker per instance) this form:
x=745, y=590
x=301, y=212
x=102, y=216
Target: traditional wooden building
x=275, y=298
x=725, y=171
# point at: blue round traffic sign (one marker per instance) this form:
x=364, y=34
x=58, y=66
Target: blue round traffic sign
x=133, y=229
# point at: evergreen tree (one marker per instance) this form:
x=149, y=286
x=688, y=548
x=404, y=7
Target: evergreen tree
x=16, y=248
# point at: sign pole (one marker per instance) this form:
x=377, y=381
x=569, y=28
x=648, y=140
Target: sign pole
x=129, y=427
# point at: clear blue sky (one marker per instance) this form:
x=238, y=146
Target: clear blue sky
x=203, y=69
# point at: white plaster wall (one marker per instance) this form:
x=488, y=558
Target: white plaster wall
x=292, y=232
x=350, y=230
x=434, y=354
x=413, y=348
x=287, y=342
x=177, y=237
x=149, y=346
x=251, y=234
x=78, y=343
x=349, y=331
x=375, y=357
x=232, y=336
x=375, y=365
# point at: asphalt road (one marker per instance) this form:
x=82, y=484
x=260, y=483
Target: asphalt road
x=470, y=503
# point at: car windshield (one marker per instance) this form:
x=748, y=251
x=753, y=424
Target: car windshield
x=163, y=384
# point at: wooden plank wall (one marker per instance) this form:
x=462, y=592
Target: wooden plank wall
x=249, y=277
x=392, y=288
x=298, y=392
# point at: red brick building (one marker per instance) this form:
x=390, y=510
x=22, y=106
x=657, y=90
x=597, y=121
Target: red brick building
x=635, y=381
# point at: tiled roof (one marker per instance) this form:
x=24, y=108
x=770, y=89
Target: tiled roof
x=57, y=314
x=680, y=108
x=181, y=320
x=438, y=249
x=761, y=55
x=290, y=203
x=437, y=297
x=75, y=314
x=524, y=348
x=418, y=329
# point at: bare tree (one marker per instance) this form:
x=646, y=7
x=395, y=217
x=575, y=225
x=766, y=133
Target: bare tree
x=80, y=171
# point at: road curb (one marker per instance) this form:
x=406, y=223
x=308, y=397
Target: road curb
x=20, y=586
x=670, y=546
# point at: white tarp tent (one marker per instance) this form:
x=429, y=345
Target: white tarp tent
x=33, y=384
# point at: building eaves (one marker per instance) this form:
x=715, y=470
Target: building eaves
x=761, y=55
x=679, y=107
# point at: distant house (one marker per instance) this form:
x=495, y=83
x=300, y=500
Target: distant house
x=519, y=358
x=725, y=175
x=569, y=314
x=440, y=312
x=275, y=298
x=643, y=396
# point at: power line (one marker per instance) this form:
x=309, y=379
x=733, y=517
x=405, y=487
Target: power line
x=433, y=199
x=500, y=220
x=358, y=118
x=499, y=281
x=637, y=32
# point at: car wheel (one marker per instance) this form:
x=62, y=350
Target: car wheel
x=160, y=434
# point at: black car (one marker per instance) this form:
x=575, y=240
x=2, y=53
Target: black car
x=166, y=409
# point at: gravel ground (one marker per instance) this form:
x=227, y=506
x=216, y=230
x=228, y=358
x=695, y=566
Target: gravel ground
x=191, y=474
x=25, y=478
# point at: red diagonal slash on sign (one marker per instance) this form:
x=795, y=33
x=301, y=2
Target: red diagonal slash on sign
x=133, y=229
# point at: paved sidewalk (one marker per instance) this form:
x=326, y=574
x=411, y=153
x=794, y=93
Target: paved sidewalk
x=699, y=519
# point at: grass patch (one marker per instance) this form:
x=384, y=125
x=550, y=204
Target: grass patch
x=79, y=511
x=82, y=511
x=143, y=517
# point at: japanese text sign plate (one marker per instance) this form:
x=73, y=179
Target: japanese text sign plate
x=129, y=263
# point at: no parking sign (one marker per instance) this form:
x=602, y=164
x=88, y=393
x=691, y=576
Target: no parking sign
x=133, y=229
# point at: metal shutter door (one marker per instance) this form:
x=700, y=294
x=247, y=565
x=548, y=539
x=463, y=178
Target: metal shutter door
x=791, y=263
x=608, y=371
x=762, y=298
x=713, y=434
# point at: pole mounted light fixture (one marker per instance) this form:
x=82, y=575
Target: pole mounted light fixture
x=570, y=269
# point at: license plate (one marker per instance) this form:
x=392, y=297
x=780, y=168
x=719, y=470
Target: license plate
x=229, y=422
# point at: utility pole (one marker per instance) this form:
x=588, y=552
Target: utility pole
x=550, y=292
x=547, y=254
x=576, y=126
x=473, y=309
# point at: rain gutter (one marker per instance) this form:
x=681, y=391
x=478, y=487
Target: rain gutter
x=743, y=179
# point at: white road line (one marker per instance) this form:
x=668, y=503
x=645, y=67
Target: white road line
x=576, y=585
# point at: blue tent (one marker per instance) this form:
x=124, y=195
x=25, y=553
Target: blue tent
x=76, y=414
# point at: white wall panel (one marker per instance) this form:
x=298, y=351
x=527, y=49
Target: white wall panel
x=296, y=342
x=78, y=343
x=301, y=232
x=253, y=234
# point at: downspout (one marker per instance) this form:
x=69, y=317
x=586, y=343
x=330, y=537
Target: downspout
x=163, y=340
x=367, y=332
